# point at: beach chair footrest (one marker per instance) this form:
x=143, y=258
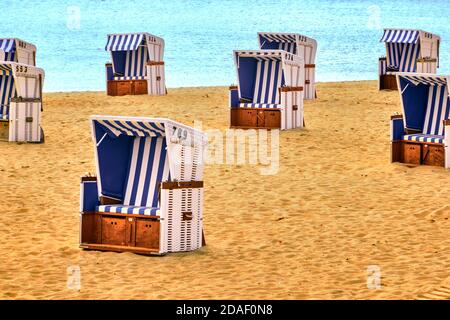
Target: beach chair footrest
x=120, y=232
x=255, y=118
x=418, y=153
x=126, y=87
x=388, y=82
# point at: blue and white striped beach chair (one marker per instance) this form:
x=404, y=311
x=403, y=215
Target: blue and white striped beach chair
x=137, y=58
x=407, y=51
x=16, y=50
x=270, y=90
x=422, y=134
x=297, y=44
x=149, y=174
x=20, y=102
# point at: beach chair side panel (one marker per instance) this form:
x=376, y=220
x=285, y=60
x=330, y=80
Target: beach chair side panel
x=292, y=96
x=182, y=216
x=156, y=78
x=25, y=119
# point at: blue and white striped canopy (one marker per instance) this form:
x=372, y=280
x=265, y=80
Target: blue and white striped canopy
x=8, y=45
x=124, y=42
x=278, y=37
x=5, y=69
x=263, y=55
x=428, y=80
x=132, y=128
x=400, y=36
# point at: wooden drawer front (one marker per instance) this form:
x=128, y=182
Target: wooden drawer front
x=147, y=233
x=111, y=88
x=388, y=81
x=272, y=119
x=4, y=130
x=411, y=153
x=433, y=155
x=140, y=87
x=244, y=117
x=114, y=230
x=124, y=88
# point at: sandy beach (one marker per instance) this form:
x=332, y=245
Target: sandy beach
x=336, y=206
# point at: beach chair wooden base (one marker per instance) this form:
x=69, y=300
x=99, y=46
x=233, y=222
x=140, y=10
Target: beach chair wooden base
x=4, y=130
x=418, y=153
x=126, y=87
x=251, y=118
x=388, y=82
x=120, y=232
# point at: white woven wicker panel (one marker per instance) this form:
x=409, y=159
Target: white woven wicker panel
x=21, y=130
x=155, y=86
x=182, y=235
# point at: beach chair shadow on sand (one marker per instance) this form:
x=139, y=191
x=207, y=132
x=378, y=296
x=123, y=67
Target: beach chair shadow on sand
x=147, y=196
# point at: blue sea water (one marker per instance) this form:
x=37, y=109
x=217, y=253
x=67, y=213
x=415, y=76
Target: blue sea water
x=200, y=34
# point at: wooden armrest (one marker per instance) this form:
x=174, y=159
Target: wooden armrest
x=155, y=63
x=396, y=116
x=88, y=178
x=446, y=122
x=233, y=87
x=290, y=89
x=181, y=185
x=20, y=99
x=104, y=201
x=426, y=60
x=310, y=65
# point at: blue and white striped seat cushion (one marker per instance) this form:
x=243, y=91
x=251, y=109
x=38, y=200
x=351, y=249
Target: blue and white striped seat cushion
x=130, y=78
x=424, y=138
x=260, y=105
x=129, y=210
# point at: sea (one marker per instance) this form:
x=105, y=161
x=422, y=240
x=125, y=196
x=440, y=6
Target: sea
x=200, y=35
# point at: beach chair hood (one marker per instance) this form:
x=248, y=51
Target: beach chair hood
x=11, y=48
x=291, y=42
x=131, y=52
x=18, y=81
x=136, y=153
x=262, y=72
x=405, y=46
x=425, y=101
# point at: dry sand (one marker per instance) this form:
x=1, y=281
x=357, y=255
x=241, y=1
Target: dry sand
x=336, y=206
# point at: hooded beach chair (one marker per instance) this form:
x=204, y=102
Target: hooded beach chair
x=407, y=51
x=422, y=134
x=16, y=50
x=137, y=65
x=300, y=45
x=20, y=102
x=269, y=93
x=147, y=196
